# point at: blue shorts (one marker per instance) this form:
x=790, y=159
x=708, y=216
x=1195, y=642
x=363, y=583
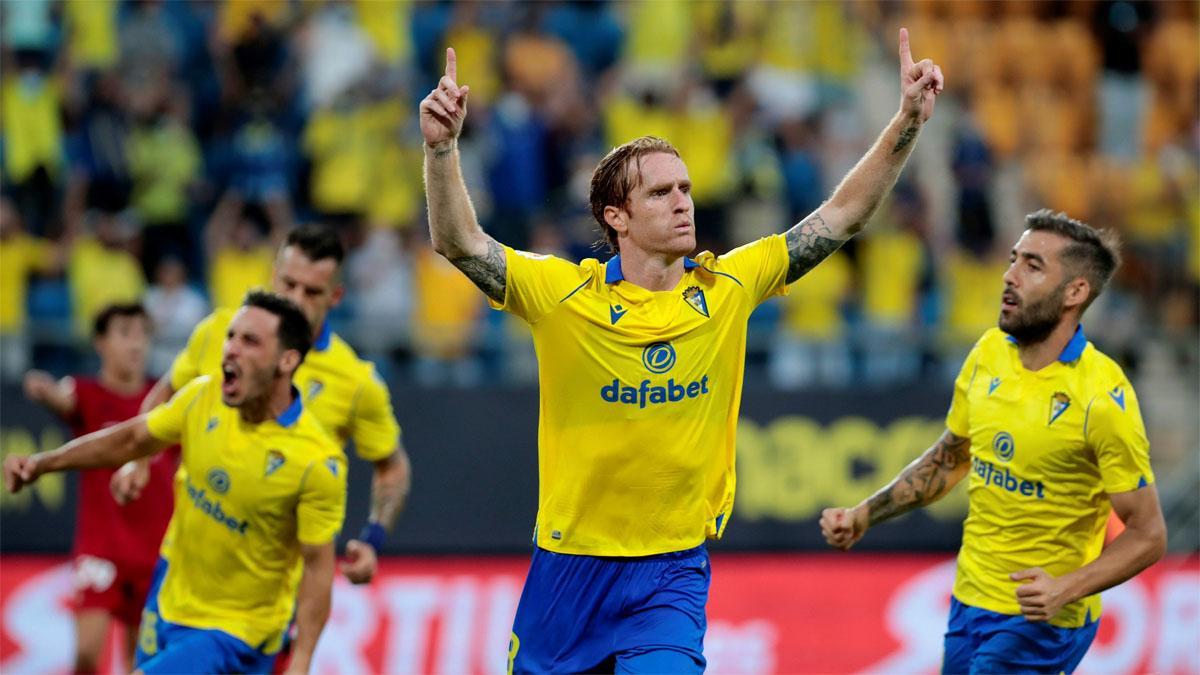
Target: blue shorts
x=628, y=615
x=171, y=648
x=979, y=641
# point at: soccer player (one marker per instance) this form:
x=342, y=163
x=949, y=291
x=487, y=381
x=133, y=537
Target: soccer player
x=116, y=547
x=1048, y=433
x=640, y=363
x=262, y=500
x=343, y=392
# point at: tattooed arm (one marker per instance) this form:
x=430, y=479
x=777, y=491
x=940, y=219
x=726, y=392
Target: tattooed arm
x=453, y=227
x=858, y=195
x=923, y=482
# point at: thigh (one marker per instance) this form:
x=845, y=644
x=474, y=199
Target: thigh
x=663, y=625
x=563, y=616
x=959, y=644
x=1022, y=646
x=192, y=650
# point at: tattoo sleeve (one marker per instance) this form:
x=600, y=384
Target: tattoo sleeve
x=925, y=481
x=809, y=242
x=487, y=271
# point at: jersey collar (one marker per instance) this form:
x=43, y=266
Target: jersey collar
x=288, y=417
x=1074, y=348
x=613, y=273
x=323, y=339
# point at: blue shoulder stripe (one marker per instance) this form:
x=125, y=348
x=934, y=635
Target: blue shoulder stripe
x=735, y=279
x=577, y=289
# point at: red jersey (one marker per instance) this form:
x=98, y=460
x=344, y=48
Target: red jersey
x=128, y=534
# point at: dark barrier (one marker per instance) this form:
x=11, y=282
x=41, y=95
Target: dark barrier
x=474, y=456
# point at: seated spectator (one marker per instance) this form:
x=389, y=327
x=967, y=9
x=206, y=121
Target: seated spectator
x=103, y=269
x=20, y=256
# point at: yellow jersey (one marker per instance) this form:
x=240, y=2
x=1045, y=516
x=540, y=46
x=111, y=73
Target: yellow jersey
x=251, y=495
x=639, y=395
x=342, y=391
x=1047, y=447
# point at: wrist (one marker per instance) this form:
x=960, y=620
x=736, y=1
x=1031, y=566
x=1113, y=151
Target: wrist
x=373, y=534
x=441, y=147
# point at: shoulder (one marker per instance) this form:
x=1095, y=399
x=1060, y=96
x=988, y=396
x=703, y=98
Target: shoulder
x=217, y=322
x=310, y=440
x=1100, y=372
x=347, y=361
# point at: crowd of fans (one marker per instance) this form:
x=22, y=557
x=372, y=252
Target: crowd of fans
x=160, y=150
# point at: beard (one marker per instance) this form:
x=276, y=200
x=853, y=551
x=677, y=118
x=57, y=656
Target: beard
x=1034, y=322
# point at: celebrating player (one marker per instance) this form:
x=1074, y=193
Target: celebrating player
x=1049, y=433
x=640, y=367
x=115, y=546
x=262, y=501
x=342, y=391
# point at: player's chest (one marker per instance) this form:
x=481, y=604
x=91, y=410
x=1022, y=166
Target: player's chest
x=1028, y=424
x=243, y=469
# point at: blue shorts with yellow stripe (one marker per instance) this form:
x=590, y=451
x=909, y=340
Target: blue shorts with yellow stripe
x=980, y=641
x=583, y=613
x=165, y=647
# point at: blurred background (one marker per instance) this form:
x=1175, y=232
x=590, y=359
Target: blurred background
x=161, y=150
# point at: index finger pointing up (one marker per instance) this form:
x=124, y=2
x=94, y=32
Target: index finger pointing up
x=905, y=53
x=452, y=64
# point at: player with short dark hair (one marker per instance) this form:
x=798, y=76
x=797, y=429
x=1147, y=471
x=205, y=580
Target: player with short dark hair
x=640, y=364
x=261, y=501
x=343, y=391
x=1048, y=433
x=115, y=546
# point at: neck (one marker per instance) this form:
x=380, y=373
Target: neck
x=652, y=271
x=121, y=382
x=270, y=405
x=1038, y=355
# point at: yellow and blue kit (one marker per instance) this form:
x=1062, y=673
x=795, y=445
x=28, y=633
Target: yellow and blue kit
x=251, y=495
x=639, y=404
x=1047, y=448
x=341, y=390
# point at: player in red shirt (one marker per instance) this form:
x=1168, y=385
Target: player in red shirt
x=116, y=547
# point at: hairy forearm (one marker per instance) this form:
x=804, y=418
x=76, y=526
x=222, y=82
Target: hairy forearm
x=113, y=446
x=862, y=190
x=312, y=604
x=923, y=482
x=453, y=227
x=389, y=488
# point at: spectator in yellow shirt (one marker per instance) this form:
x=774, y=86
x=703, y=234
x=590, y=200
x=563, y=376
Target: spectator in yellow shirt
x=103, y=270
x=20, y=255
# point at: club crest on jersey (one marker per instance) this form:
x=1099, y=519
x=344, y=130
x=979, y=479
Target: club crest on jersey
x=695, y=299
x=314, y=388
x=274, y=461
x=1059, y=403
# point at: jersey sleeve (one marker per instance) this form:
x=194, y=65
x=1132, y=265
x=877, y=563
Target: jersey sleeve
x=166, y=422
x=374, y=427
x=1115, y=432
x=958, y=418
x=188, y=364
x=535, y=284
x=759, y=266
x=322, y=505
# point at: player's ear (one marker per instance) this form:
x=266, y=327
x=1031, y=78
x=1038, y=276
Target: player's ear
x=615, y=216
x=1078, y=290
x=289, y=361
x=339, y=292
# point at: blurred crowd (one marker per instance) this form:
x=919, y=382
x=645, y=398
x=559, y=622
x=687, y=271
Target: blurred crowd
x=160, y=150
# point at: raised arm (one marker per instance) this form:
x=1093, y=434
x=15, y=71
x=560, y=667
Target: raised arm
x=858, y=195
x=453, y=227
x=923, y=482
x=113, y=446
x=313, y=600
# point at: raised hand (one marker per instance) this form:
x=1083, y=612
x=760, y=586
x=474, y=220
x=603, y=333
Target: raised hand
x=445, y=108
x=360, y=563
x=920, y=82
x=842, y=528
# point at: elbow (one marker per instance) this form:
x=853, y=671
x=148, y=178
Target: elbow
x=1157, y=541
